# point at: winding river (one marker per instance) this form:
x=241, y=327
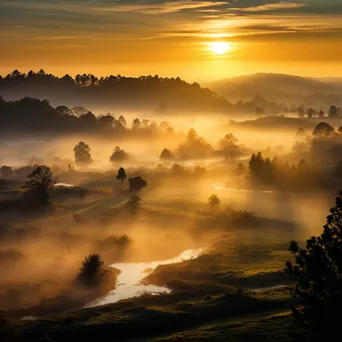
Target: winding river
x=129, y=283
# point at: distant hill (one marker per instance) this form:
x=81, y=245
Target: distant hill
x=275, y=123
x=279, y=88
x=114, y=92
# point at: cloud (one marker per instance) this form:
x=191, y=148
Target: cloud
x=162, y=8
x=274, y=7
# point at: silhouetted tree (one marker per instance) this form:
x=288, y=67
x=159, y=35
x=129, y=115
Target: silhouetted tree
x=323, y=129
x=82, y=154
x=214, y=203
x=333, y=112
x=6, y=171
x=118, y=155
x=90, y=270
x=255, y=164
x=318, y=273
x=122, y=120
x=166, y=155
x=121, y=175
x=136, y=124
x=321, y=114
x=63, y=110
x=136, y=184
x=40, y=183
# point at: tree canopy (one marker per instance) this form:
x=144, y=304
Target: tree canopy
x=317, y=270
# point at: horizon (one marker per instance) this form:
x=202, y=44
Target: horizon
x=196, y=40
x=204, y=83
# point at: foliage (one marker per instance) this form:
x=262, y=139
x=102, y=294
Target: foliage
x=40, y=183
x=214, y=202
x=118, y=155
x=229, y=147
x=121, y=175
x=136, y=184
x=195, y=147
x=323, y=130
x=82, y=154
x=166, y=155
x=279, y=173
x=318, y=274
x=90, y=269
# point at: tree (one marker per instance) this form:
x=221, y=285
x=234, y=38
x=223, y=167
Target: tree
x=6, y=171
x=118, y=155
x=166, y=155
x=255, y=164
x=310, y=112
x=321, y=114
x=82, y=154
x=240, y=169
x=90, y=269
x=40, y=183
x=214, y=203
x=136, y=184
x=121, y=175
x=63, y=110
x=229, y=146
x=122, y=120
x=136, y=124
x=317, y=271
x=301, y=134
x=133, y=204
x=333, y=112
x=323, y=130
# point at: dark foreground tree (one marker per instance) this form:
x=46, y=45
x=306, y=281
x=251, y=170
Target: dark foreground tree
x=40, y=184
x=82, y=154
x=121, y=175
x=90, y=270
x=318, y=291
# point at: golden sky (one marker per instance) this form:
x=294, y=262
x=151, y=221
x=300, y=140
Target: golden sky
x=172, y=38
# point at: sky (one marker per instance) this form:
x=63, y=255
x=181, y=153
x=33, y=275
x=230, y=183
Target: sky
x=172, y=38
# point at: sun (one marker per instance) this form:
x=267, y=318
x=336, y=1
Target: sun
x=219, y=48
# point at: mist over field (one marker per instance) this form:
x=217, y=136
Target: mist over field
x=113, y=217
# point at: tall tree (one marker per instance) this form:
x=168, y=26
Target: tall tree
x=317, y=271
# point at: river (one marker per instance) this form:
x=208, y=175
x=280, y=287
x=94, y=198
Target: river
x=129, y=283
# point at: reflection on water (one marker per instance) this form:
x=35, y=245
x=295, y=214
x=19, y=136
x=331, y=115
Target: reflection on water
x=216, y=187
x=64, y=185
x=129, y=281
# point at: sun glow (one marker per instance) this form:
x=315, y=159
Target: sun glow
x=219, y=48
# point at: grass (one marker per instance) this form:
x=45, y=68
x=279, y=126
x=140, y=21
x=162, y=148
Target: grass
x=155, y=316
